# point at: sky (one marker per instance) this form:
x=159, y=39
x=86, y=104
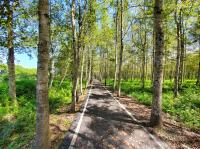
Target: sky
x=25, y=60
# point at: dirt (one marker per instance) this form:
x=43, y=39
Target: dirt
x=60, y=123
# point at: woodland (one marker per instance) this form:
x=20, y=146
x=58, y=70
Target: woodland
x=148, y=50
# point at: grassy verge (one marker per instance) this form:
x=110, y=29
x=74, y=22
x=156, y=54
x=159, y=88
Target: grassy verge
x=186, y=107
x=17, y=122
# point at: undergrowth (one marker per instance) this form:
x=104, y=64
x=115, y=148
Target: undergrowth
x=17, y=121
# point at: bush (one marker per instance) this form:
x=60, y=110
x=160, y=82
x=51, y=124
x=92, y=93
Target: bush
x=26, y=88
x=59, y=96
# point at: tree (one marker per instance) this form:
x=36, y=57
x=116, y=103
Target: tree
x=42, y=113
x=177, y=71
x=11, y=57
x=198, y=73
x=75, y=60
x=121, y=49
x=116, y=44
x=156, y=112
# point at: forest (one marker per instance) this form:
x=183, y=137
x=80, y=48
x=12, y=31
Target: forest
x=101, y=65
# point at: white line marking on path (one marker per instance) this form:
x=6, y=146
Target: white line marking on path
x=129, y=114
x=71, y=146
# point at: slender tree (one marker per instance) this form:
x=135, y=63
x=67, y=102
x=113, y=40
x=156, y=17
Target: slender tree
x=42, y=114
x=75, y=59
x=11, y=57
x=198, y=74
x=156, y=112
x=116, y=44
x=51, y=60
x=121, y=49
x=176, y=77
x=182, y=48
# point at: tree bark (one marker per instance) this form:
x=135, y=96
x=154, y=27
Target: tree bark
x=144, y=51
x=42, y=114
x=116, y=45
x=143, y=62
x=198, y=75
x=153, y=55
x=89, y=68
x=82, y=68
x=156, y=112
x=182, y=49
x=75, y=63
x=105, y=70
x=51, y=61
x=11, y=56
x=121, y=50
x=176, y=77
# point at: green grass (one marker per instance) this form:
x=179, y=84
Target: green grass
x=17, y=122
x=185, y=108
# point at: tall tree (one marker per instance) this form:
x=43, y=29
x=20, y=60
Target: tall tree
x=177, y=70
x=121, y=49
x=156, y=112
x=198, y=38
x=51, y=60
x=198, y=73
x=11, y=57
x=116, y=44
x=75, y=55
x=182, y=47
x=42, y=115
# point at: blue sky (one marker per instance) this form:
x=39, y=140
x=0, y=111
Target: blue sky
x=25, y=60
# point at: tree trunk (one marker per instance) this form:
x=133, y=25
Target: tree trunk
x=116, y=45
x=89, y=66
x=51, y=71
x=42, y=114
x=156, y=112
x=92, y=66
x=176, y=77
x=143, y=62
x=63, y=78
x=198, y=76
x=82, y=68
x=51, y=62
x=75, y=63
x=105, y=70
x=121, y=50
x=11, y=56
x=182, y=49
x=86, y=67
x=144, y=51
x=153, y=55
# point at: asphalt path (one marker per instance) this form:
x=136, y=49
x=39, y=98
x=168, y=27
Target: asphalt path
x=104, y=123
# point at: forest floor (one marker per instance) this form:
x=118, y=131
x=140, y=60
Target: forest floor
x=104, y=123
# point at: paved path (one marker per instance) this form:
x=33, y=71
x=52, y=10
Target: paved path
x=104, y=123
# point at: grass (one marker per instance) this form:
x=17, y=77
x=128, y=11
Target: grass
x=17, y=122
x=185, y=108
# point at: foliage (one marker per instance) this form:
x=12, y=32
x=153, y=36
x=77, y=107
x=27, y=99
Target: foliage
x=17, y=122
